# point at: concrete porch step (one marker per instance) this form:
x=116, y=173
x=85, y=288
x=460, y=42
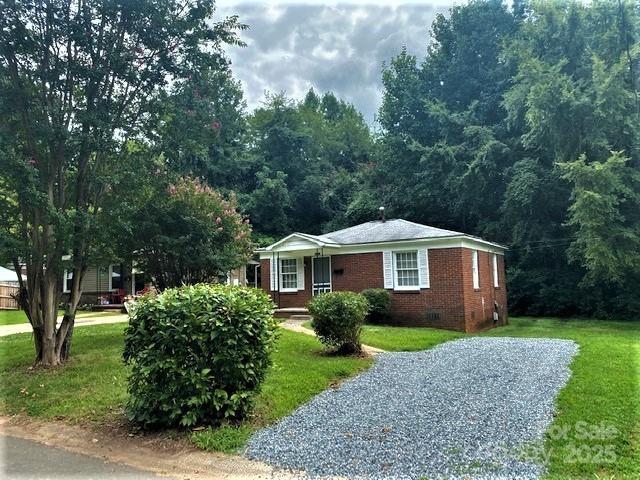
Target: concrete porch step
x=288, y=312
x=301, y=318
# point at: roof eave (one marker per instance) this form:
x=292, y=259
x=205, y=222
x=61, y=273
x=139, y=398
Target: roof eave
x=423, y=239
x=304, y=236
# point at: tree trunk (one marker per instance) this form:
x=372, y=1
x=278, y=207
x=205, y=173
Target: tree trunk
x=52, y=342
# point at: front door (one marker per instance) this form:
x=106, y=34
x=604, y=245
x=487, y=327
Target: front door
x=321, y=275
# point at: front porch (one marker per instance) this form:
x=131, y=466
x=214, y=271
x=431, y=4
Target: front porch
x=110, y=307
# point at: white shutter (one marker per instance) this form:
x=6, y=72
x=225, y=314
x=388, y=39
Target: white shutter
x=474, y=269
x=273, y=274
x=300, y=272
x=387, y=268
x=423, y=268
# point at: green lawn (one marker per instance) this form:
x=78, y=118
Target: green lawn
x=402, y=338
x=14, y=317
x=92, y=388
x=604, y=391
x=405, y=338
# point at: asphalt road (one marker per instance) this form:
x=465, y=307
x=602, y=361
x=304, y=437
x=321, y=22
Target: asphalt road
x=25, y=459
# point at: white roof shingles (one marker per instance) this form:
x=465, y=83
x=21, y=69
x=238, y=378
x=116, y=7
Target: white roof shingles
x=387, y=231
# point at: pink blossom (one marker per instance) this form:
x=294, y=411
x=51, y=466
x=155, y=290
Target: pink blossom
x=218, y=220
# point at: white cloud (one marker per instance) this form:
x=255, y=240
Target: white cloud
x=338, y=47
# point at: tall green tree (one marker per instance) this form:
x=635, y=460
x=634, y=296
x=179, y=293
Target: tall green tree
x=605, y=211
x=305, y=156
x=79, y=79
x=507, y=130
x=201, y=129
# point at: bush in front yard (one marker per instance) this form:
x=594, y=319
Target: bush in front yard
x=338, y=319
x=379, y=305
x=198, y=354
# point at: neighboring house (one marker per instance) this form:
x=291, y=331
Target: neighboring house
x=246, y=275
x=436, y=277
x=10, y=277
x=109, y=283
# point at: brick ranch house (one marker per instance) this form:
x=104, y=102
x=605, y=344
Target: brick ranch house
x=437, y=278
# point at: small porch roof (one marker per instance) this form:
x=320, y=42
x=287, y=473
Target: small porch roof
x=300, y=241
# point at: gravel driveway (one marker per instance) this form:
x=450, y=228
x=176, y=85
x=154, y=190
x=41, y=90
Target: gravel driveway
x=463, y=409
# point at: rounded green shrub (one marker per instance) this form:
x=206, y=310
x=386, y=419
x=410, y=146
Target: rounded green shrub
x=338, y=319
x=379, y=305
x=198, y=354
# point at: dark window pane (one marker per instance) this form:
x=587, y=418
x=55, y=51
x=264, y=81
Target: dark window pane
x=116, y=277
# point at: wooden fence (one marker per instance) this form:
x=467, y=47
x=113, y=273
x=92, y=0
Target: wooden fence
x=7, y=302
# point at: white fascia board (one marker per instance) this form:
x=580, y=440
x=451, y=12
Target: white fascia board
x=458, y=241
x=432, y=243
x=296, y=253
x=302, y=236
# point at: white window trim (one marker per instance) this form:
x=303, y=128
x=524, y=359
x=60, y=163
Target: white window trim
x=475, y=270
x=65, y=277
x=133, y=282
x=280, y=274
x=496, y=281
x=406, y=288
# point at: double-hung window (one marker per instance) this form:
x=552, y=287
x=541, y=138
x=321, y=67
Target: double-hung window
x=288, y=274
x=495, y=271
x=67, y=280
x=406, y=272
x=474, y=270
x=115, y=277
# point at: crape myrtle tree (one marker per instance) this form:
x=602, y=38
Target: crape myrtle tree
x=80, y=79
x=188, y=233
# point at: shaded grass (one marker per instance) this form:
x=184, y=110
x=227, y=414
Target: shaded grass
x=15, y=317
x=92, y=387
x=601, y=399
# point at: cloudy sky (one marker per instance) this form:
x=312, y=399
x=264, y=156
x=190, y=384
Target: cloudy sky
x=328, y=46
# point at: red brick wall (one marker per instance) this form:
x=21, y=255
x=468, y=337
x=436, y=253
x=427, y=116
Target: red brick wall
x=479, y=303
x=450, y=302
x=360, y=271
x=439, y=306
